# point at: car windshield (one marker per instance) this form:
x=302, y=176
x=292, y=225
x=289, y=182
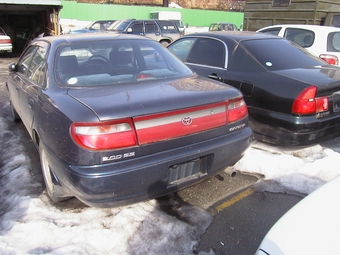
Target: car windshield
x=280, y=54
x=119, y=26
x=106, y=62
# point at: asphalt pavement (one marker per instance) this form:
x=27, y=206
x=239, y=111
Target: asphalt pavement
x=242, y=214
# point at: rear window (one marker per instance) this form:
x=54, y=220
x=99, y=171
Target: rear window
x=302, y=37
x=168, y=26
x=280, y=54
x=106, y=62
x=333, y=42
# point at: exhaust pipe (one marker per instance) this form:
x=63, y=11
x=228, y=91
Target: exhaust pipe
x=231, y=171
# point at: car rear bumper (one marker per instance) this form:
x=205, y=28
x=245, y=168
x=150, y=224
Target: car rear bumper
x=151, y=176
x=284, y=129
x=5, y=48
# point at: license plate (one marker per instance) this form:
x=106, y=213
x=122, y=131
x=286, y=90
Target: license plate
x=191, y=168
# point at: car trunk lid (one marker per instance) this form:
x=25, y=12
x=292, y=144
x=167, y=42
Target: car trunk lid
x=161, y=111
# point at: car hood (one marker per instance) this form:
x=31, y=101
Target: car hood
x=310, y=227
x=318, y=75
x=142, y=98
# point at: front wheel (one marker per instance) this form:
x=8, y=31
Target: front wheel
x=165, y=43
x=55, y=192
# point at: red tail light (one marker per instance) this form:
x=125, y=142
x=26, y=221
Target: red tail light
x=104, y=136
x=306, y=102
x=237, y=110
x=5, y=41
x=330, y=59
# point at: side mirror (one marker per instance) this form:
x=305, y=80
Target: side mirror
x=12, y=67
x=129, y=30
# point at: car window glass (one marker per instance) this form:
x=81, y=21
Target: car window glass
x=36, y=70
x=336, y=21
x=181, y=48
x=333, y=42
x=25, y=60
x=302, y=37
x=273, y=31
x=168, y=26
x=209, y=52
x=288, y=57
x=242, y=61
x=120, y=26
x=151, y=27
x=109, y=62
x=212, y=27
x=137, y=28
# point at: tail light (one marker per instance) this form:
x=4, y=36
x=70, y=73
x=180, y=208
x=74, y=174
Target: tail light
x=306, y=103
x=237, y=110
x=330, y=59
x=5, y=41
x=104, y=136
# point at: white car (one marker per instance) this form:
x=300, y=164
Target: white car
x=322, y=41
x=311, y=227
x=5, y=42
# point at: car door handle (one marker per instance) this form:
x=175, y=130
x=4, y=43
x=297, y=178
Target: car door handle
x=215, y=77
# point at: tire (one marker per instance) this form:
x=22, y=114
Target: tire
x=165, y=43
x=15, y=115
x=55, y=192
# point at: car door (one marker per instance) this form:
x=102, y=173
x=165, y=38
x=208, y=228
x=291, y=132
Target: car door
x=17, y=80
x=205, y=56
x=33, y=81
x=152, y=30
x=136, y=28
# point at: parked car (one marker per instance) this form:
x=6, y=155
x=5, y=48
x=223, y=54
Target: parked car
x=5, y=42
x=323, y=41
x=311, y=227
x=222, y=26
x=180, y=25
x=94, y=26
x=293, y=97
x=118, y=119
x=163, y=31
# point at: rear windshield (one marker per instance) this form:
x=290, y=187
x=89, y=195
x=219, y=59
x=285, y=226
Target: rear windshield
x=280, y=54
x=106, y=62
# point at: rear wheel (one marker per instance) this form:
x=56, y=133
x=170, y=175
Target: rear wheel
x=53, y=189
x=165, y=43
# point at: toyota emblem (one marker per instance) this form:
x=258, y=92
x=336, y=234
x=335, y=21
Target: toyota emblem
x=186, y=121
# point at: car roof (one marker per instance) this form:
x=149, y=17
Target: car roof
x=91, y=37
x=235, y=35
x=311, y=27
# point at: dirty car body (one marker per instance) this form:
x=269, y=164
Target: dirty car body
x=118, y=119
x=292, y=96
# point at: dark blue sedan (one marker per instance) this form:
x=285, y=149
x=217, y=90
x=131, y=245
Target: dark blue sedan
x=118, y=119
